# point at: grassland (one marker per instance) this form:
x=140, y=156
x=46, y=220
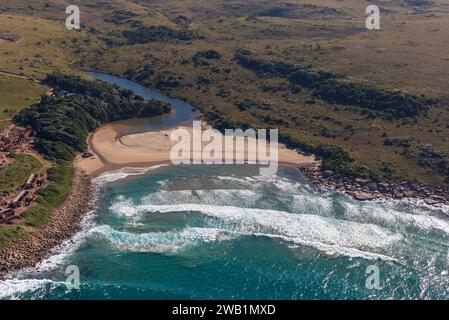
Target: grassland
x=397, y=57
x=3, y=125
x=16, y=94
x=45, y=46
x=16, y=174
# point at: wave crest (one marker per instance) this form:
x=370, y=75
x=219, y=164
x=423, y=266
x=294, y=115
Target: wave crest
x=161, y=242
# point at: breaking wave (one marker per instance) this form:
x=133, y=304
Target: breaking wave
x=327, y=234
x=16, y=289
x=269, y=207
x=333, y=224
x=161, y=242
x=123, y=173
x=383, y=215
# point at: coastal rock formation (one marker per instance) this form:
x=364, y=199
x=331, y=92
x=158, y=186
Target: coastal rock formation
x=364, y=189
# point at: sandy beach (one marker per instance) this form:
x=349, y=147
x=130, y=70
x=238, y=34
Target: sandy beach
x=111, y=151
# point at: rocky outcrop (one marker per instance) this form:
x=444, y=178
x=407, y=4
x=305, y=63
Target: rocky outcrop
x=365, y=189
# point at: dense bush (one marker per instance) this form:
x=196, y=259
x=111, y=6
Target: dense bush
x=207, y=54
x=159, y=33
x=201, y=58
x=309, y=79
x=63, y=123
x=396, y=104
x=325, y=86
x=245, y=59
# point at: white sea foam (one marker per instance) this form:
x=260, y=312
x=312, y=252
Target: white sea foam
x=393, y=219
x=322, y=232
x=281, y=183
x=123, y=173
x=60, y=254
x=365, y=230
x=243, y=197
x=332, y=250
x=339, y=225
x=161, y=242
x=416, y=206
x=308, y=203
x=393, y=214
x=14, y=288
x=124, y=207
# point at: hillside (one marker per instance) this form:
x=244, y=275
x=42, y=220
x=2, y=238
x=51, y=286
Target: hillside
x=164, y=45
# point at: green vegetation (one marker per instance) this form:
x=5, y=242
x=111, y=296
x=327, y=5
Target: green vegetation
x=395, y=104
x=295, y=11
x=3, y=125
x=201, y=58
x=10, y=232
x=46, y=45
x=16, y=94
x=276, y=68
x=17, y=173
x=325, y=86
x=120, y=16
x=49, y=198
x=159, y=33
x=63, y=123
x=207, y=54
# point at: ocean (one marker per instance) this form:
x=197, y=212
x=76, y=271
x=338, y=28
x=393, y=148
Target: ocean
x=225, y=232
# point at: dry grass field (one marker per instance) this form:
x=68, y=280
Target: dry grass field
x=16, y=94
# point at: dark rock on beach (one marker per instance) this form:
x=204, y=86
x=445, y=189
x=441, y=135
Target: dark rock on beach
x=364, y=189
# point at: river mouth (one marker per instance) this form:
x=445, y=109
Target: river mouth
x=148, y=141
x=226, y=232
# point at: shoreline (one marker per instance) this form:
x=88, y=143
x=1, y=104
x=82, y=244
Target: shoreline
x=64, y=222
x=110, y=149
x=367, y=190
x=113, y=141
x=359, y=189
